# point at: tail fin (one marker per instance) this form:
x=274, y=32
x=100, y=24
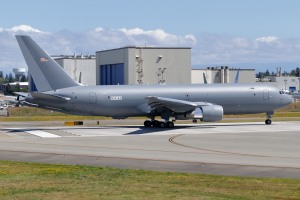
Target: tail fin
x=46, y=73
x=237, y=76
x=204, y=78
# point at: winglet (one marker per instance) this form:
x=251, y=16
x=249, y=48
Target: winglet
x=46, y=73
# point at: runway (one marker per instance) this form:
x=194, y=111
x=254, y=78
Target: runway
x=244, y=149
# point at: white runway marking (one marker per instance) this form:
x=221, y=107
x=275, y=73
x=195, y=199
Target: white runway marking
x=43, y=134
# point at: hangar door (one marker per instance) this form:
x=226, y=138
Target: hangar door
x=112, y=74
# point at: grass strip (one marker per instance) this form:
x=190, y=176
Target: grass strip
x=20, y=180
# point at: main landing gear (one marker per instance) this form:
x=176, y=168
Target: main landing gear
x=269, y=117
x=158, y=124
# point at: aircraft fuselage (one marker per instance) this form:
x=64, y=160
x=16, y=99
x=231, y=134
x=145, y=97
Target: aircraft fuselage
x=124, y=101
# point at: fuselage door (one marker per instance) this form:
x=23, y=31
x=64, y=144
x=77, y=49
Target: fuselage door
x=266, y=95
x=93, y=98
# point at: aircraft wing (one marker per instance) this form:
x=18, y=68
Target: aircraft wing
x=160, y=104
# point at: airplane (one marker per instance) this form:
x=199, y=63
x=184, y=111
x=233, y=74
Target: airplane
x=56, y=90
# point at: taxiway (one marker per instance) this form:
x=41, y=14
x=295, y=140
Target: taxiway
x=244, y=149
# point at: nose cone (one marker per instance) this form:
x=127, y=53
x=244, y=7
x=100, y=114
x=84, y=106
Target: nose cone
x=287, y=99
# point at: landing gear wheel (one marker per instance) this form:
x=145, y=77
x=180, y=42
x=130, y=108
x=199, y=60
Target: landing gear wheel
x=161, y=124
x=155, y=123
x=170, y=124
x=194, y=121
x=147, y=123
x=268, y=121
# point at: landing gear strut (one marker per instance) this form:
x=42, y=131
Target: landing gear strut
x=165, y=115
x=269, y=117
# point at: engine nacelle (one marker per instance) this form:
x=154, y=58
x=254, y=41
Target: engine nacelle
x=210, y=113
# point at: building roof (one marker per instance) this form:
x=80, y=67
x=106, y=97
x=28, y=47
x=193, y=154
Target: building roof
x=136, y=47
x=58, y=57
x=218, y=68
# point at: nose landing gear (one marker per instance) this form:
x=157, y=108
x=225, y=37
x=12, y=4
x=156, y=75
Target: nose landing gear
x=268, y=121
x=269, y=117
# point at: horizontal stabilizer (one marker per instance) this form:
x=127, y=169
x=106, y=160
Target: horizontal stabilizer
x=49, y=97
x=22, y=94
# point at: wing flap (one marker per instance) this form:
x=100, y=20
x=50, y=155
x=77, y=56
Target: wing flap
x=175, y=105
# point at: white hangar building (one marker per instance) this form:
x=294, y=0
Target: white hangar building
x=80, y=67
x=143, y=65
x=286, y=83
x=222, y=75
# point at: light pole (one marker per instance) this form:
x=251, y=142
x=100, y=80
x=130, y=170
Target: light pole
x=285, y=80
x=160, y=73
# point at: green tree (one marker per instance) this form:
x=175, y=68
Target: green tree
x=17, y=88
x=293, y=73
x=23, y=78
x=6, y=78
x=259, y=75
x=2, y=80
x=297, y=72
x=8, y=90
x=10, y=78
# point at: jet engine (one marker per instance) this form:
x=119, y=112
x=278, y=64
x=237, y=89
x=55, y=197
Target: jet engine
x=209, y=113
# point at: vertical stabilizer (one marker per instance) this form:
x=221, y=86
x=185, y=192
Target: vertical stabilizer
x=46, y=73
x=204, y=79
x=237, y=76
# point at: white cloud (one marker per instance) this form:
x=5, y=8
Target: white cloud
x=135, y=31
x=160, y=37
x=99, y=29
x=268, y=39
x=227, y=50
x=240, y=42
x=23, y=28
x=207, y=49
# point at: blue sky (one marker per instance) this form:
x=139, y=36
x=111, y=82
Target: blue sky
x=261, y=34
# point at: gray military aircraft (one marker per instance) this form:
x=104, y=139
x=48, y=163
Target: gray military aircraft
x=207, y=102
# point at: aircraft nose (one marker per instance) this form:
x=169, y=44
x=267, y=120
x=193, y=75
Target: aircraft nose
x=287, y=100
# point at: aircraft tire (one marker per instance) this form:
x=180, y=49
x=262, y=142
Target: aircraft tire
x=147, y=123
x=170, y=124
x=161, y=124
x=268, y=122
x=155, y=123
